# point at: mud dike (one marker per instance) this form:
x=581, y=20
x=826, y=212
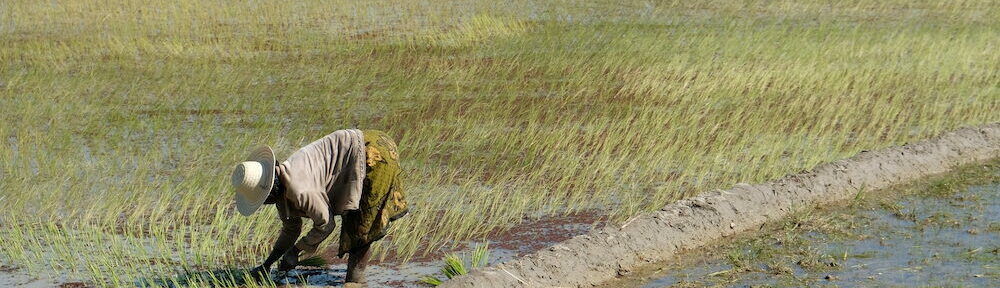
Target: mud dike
x=605, y=253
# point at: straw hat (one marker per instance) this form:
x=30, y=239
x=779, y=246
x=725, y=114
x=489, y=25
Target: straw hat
x=253, y=180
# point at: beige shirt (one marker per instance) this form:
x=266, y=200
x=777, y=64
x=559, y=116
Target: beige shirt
x=322, y=179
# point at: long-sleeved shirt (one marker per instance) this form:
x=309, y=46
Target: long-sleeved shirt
x=322, y=179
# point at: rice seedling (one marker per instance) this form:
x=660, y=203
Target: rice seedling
x=122, y=118
x=455, y=266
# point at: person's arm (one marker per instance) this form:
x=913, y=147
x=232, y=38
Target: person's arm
x=290, y=230
x=308, y=243
x=319, y=211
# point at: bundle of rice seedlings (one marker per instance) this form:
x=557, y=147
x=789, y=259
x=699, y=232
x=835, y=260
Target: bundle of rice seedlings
x=455, y=266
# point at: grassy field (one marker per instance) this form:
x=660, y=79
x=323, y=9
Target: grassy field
x=122, y=120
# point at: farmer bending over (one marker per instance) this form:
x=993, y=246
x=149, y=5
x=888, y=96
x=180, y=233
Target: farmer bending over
x=351, y=173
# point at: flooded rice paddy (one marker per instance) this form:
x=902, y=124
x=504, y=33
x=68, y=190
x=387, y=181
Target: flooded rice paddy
x=940, y=232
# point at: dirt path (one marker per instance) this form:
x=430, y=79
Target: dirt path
x=605, y=253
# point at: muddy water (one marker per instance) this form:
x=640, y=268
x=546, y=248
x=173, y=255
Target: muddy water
x=925, y=238
x=504, y=245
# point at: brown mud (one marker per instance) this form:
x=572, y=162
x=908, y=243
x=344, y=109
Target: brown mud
x=523, y=238
x=608, y=252
x=505, y=244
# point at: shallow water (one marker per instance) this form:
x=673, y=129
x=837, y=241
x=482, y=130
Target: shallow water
x=913, y=240
x=504, y=246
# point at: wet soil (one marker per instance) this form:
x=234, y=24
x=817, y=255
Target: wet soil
x=11, y=276
x=935, y=233
x=505, y=244
x=522, y=238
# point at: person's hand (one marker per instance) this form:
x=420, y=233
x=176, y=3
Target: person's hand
x=260, y=273
x=289, y=260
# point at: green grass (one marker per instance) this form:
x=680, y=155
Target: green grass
x=122, y=119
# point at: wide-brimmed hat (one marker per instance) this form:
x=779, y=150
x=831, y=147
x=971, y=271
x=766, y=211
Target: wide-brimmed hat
x=253, y=180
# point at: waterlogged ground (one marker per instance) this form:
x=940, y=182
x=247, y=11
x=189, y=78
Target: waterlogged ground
x=506, y=245
x=941, y=232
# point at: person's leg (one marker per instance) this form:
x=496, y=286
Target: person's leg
x=357, y=261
